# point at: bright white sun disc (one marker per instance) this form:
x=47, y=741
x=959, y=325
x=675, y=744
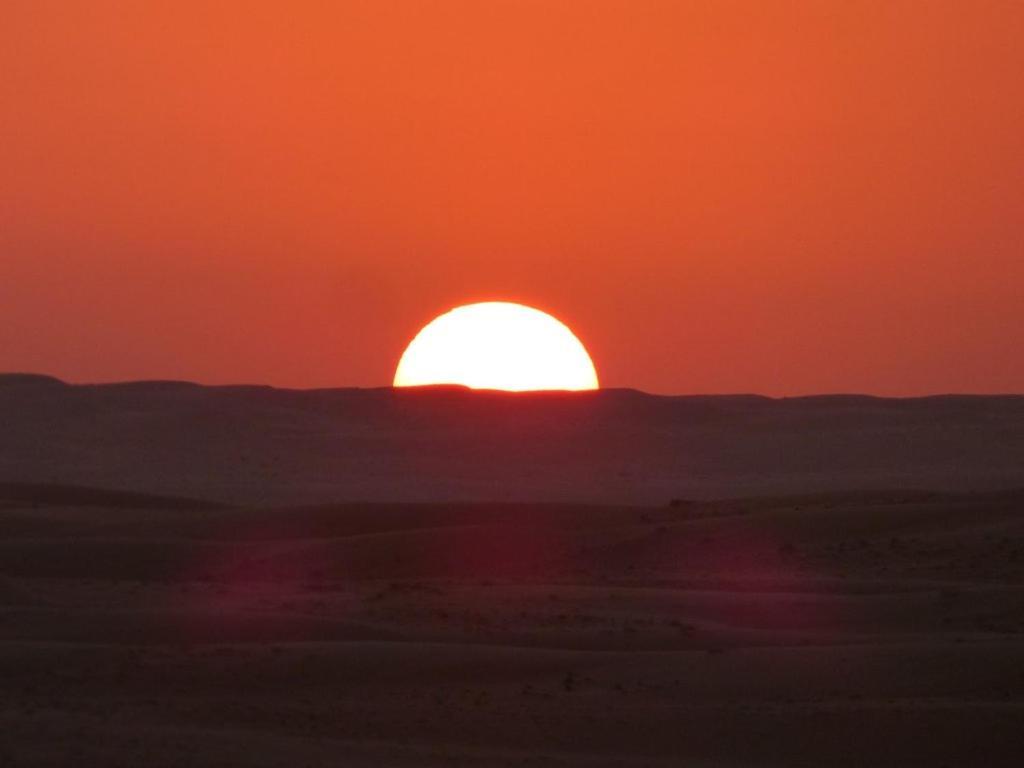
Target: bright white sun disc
x=497, y=345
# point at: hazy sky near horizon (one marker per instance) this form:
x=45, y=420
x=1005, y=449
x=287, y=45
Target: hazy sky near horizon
x=775, y=197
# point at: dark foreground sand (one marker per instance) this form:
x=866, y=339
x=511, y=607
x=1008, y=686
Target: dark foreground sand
x=874, y=629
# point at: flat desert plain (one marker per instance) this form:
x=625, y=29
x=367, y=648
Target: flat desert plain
x=861, y=629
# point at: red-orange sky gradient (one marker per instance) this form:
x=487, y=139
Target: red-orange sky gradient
x=775, y=197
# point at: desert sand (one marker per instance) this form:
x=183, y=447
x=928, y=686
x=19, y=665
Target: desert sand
x=836, y=629
x=274, y=447
x=245, y=576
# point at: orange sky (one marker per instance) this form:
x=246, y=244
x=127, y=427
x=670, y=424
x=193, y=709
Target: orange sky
x=785, y=197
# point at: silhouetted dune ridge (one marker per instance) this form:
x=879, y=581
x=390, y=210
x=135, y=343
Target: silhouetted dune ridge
x=267, y=446
x=81, y=496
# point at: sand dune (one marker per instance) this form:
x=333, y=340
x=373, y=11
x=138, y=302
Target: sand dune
x=877, y=629
x=514, y=580
x=258, y=445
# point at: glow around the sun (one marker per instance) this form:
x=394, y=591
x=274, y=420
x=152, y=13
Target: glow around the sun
x=497, y=345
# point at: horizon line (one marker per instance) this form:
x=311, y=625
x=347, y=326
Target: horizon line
x=460, y=388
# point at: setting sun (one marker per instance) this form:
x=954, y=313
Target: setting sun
x=497, y=345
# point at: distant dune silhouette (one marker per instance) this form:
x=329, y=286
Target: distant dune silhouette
x=260, y=445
